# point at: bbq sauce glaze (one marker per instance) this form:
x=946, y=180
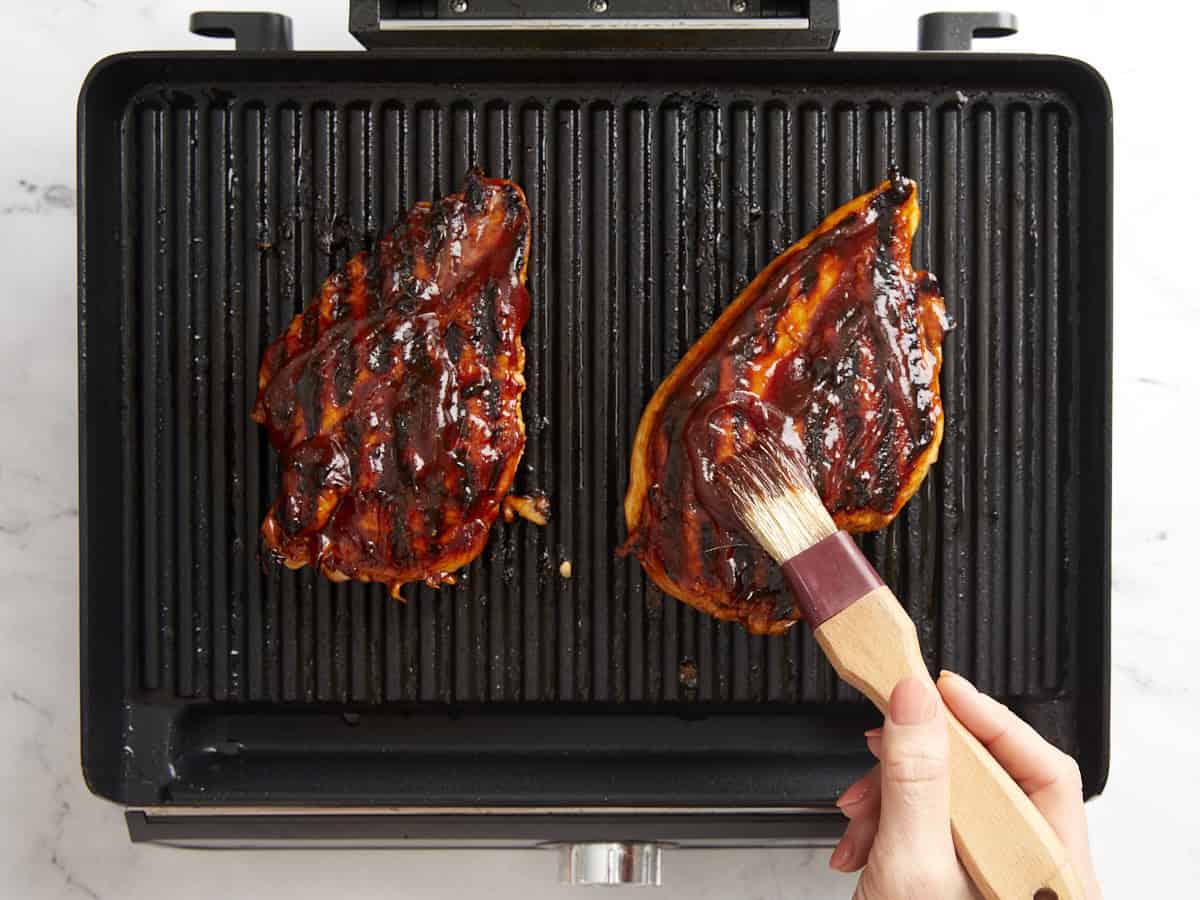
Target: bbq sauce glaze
x=394, y=398
x=840, y=341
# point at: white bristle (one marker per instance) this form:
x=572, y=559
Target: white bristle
x=775, y=499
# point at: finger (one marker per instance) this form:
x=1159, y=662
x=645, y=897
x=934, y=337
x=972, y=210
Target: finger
x=1032, y=762
x=860, y=804
x=1049, y=776
x=914, y=814
x=839, y=859
x=854, y=849
x=875, y=745
x=862, y=797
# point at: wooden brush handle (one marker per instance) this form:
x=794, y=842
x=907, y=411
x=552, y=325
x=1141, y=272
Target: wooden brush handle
x=1006, y=846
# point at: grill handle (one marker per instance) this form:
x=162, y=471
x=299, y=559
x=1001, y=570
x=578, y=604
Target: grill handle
x=555, y=26
x=249, y=30
x=956, y=30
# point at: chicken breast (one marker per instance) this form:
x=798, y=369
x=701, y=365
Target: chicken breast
x=842, y=340
x=394, y=399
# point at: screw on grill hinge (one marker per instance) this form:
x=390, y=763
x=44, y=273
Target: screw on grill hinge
x=740, y=6
x=458, y=7
x=955, y=30
x=599, y=7
x=249, y=30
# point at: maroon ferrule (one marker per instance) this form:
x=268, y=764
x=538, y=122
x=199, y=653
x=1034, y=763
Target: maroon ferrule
x=829, y=576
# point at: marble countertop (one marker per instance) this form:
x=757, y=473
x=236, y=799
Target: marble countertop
x=58, y=840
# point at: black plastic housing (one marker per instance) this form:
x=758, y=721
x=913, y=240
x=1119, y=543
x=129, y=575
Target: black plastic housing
x=216, y=192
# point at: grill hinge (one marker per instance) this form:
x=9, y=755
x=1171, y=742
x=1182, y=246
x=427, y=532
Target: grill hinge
x=556, y=25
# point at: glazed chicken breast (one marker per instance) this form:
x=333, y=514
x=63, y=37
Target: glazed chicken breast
x=394, y=399
x=842, y=340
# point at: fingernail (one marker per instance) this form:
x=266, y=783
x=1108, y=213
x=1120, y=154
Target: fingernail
x=872, y=732
x=841, y=854
x=854, y=794
x=951, y=676
x=913, y=702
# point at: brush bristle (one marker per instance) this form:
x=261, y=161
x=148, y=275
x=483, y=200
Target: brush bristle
x=774, y=498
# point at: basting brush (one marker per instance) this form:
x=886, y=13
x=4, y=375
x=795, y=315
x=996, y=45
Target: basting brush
x=1005, y=844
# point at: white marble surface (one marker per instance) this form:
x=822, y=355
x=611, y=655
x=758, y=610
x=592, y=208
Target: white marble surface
x=56, y=840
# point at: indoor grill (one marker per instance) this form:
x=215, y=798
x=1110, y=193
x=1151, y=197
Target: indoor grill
x=669, y=150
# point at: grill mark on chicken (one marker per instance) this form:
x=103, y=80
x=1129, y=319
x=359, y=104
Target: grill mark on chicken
x=308, y=389
x=514, y=203
x=345, y=371
x=439, y=232
x=386, y=474
x=842, y=337
x=455, y=339
x=379, y=355
x=473, y=192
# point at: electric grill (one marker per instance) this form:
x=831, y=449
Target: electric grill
x=668, y=150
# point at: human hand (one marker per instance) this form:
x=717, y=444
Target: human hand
x=900, y=811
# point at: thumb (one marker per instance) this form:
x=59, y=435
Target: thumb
x=914, y=815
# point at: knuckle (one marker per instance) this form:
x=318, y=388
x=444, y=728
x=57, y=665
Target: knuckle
x=916, y=766
x=1069, y=773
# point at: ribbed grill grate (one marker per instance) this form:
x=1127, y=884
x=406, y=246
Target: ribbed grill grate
x=651, y=211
